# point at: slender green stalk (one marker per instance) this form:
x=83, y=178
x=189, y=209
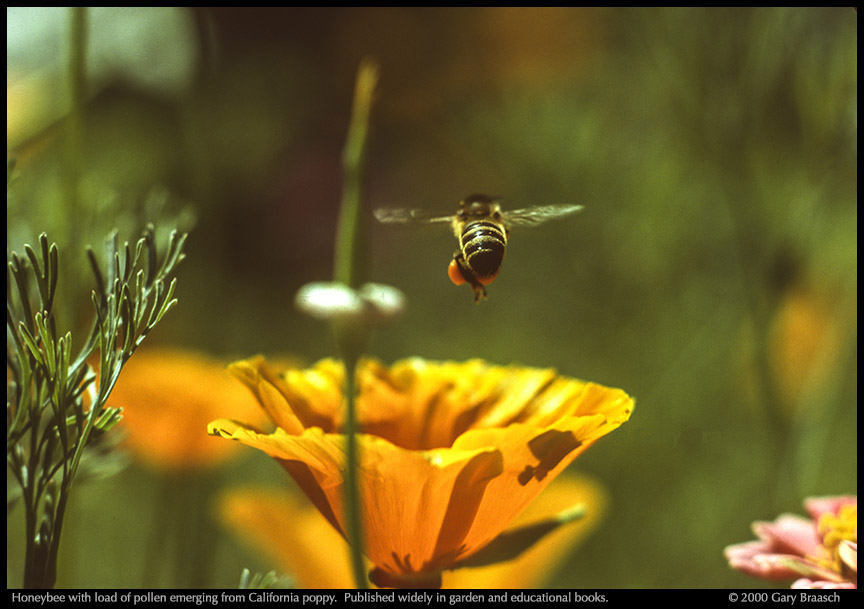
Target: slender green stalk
x=353, y=507
x=347, y=270
x=77, y=82
x=349, y=242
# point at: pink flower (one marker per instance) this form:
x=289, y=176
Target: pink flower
x=821, y=552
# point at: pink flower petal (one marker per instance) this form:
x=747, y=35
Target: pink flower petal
x=821, y=585
x=756, y=558
x=816, y=506
x=789, y=534
x=766, y=566
x=746, y=551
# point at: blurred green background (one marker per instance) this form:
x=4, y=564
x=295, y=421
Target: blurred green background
x=712, y=274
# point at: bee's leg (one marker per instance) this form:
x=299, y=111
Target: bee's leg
x=479, y=292
x=470, y=277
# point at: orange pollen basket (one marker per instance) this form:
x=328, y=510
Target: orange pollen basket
x=455, y=274
x=457, y=278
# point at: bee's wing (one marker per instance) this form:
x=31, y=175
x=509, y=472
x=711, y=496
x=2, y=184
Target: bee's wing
x=405, y=216
x=532, y=216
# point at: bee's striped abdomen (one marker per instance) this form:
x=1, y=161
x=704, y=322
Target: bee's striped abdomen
x=483, y=244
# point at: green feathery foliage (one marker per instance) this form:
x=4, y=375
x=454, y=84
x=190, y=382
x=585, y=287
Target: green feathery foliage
x=55, y=401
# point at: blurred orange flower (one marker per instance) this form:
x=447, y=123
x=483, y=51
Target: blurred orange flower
x=168, y=396
x=452, y=452
x=292, y=534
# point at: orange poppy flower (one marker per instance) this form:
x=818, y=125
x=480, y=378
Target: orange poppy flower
x=450, y=454
x=294, y=537
x=168, y=396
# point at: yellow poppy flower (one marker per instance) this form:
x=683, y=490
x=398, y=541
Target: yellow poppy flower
x=450, y=454
x=290, y=532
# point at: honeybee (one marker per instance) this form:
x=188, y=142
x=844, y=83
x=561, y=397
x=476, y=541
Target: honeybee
x=482, y=229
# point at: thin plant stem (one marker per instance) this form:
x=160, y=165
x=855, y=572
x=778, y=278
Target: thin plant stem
x=77, y=82
x=349, y=242
x=353, y=507
x=347, y=270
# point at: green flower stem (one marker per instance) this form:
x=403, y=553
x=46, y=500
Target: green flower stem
x=77, y=82
x=353, y=508
x=349, y=235
x=351, y=335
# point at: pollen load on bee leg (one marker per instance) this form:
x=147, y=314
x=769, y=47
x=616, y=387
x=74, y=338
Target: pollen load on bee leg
x=455, y=274
x=460, y=273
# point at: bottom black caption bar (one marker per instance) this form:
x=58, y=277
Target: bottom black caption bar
x=426, y=598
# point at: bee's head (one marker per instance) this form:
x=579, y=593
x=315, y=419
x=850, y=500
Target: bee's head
x=478, y=206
